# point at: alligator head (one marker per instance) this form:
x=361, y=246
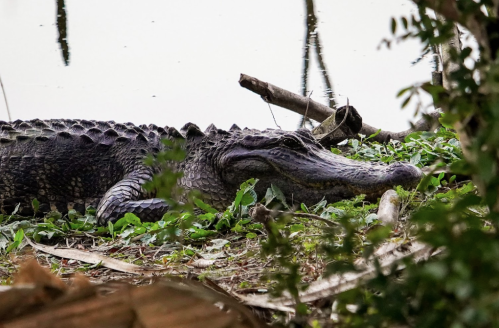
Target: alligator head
x=219, y=161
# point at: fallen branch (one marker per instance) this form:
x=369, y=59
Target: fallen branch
x=262, y=214
x=319, y=112
x=339, y=283
x=286, y=99
x=93, y=258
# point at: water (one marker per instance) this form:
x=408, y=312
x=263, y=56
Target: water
x=172, y=62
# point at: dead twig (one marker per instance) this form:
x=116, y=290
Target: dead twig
x=262, y=214
x=306, y=110
x=5, y=99
x=271, y=112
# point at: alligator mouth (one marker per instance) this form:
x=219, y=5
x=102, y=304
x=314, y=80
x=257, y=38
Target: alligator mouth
x=310, y=176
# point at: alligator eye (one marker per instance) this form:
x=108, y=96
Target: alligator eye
x=291, y=143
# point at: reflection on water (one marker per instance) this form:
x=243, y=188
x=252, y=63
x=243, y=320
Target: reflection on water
x=62, y=29
x=313, y=43
x=312, y=40
x=172, y=62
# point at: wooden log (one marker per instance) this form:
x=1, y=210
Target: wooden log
x=319, y=112
x=286, y=99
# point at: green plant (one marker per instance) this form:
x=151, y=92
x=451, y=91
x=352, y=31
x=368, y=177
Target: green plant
x=458, y=288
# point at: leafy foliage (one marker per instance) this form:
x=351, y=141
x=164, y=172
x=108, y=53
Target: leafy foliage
x=459, y=287
x=419, y=148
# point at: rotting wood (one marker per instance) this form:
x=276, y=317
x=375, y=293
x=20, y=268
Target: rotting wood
x=319, y=112
x=174, y=303
x=389, y=207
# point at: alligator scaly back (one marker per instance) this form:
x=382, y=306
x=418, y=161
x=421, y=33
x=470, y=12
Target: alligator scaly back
x=69, y=164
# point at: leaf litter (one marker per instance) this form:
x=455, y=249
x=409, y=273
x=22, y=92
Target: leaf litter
x=224, y=250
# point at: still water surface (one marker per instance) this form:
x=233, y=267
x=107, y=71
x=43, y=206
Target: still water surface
x=171, y=62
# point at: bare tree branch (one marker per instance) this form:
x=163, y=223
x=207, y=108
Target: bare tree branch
x=319, y=112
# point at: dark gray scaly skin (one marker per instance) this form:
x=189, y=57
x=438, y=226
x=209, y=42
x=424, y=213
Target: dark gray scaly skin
x=71, y=164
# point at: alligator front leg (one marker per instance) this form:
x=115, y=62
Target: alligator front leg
x=124, y=197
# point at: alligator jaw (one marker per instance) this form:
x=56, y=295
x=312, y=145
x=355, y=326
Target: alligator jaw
x=309, y=176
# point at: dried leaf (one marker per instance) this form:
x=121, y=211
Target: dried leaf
x=93, y=258
x=202, y=263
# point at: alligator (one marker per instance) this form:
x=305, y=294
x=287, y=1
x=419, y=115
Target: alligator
x=70, y=164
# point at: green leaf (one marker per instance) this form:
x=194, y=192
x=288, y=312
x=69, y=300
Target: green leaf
x=370, y=218
x=355, y=144
x=269, y=196
x=35, y=204
x=401, y=92
x=466, y=189
x=120, y=223
x=205, y=207
x=90, y=210
x=424, y=183
x=201, y=233
x=336, y=151
x=251, y=235
x=237, y=200
x=18, y=238
x=249, y=198
x=72, y=214
x=435, y=182
x=279, y=195
x=406, y=101
x=461, y=167
x=111, y=228
x=297, y=227
x=19, y=235
x=189, y=252
x=224, y=222
x=304, y=208
x=415, y=159
x=412, y=136
x=374, y=134
x=133, y=219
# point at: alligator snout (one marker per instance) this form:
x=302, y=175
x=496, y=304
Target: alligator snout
x=403, y=174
